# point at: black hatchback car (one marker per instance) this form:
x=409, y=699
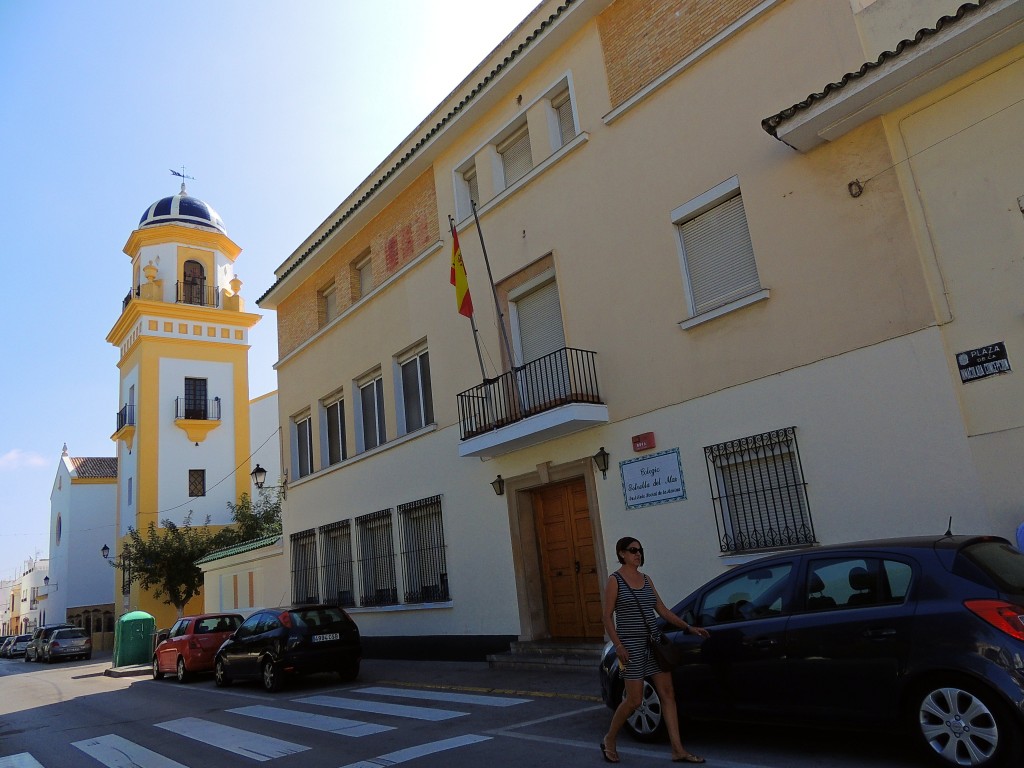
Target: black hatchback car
x=924, y=633
x=280, y=642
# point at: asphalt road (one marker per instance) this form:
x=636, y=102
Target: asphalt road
x=426, y=714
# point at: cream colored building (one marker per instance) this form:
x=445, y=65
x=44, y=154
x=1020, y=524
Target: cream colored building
x=762, y=342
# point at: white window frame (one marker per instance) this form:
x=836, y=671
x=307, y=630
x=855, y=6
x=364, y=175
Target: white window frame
x=425, y=394
x=718, y=195
x=364, y=274
x=335, y=399
x=328, y=295
x=296, y=438
x=375, y=380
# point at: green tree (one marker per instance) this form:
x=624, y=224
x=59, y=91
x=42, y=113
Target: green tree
x=164, y=561
x=251, y=519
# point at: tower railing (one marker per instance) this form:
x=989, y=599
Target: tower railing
x=194, y=408
x=197, y=294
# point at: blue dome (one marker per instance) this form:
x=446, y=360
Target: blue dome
x=182, y=209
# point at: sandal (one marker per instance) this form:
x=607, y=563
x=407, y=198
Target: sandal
x=610, y=755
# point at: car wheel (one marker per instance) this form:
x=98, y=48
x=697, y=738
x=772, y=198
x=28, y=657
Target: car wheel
x=157, y=674
x=183, y=674
x=646, y=723
x=220, y=674
x=271, y=676
x=962, y=723
x=349, y=673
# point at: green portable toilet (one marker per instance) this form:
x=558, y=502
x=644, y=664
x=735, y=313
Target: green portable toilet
x=133, y=639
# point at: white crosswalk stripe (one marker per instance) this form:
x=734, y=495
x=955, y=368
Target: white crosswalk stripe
x=117, y=752
x=381, y=708
x=448, y=696
x=411, y=753
x=235, y=740
x=309, y=720
x=23, y=760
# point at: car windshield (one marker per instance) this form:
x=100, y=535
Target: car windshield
x=1001, y=562
x=318, y=618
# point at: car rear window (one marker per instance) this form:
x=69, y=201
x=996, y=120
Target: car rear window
x=999, y=561
x=319, y=618
x=64, y=634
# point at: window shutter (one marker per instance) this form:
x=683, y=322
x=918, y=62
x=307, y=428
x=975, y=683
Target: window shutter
x=540, y=322
x=516, y=158
x=719, y=256
x=563, y=111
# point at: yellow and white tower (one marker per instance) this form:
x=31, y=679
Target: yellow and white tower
x=183, y=428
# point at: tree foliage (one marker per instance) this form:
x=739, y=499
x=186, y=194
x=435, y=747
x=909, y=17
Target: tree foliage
x=252, y=519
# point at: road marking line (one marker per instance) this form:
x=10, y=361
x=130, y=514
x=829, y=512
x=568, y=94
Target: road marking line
x=457, y=698
x=500, y=691
x=245, y=743
x=411, y=753
x=381, y=708
x=23, y=760
x=307, y=720
x=117, y=752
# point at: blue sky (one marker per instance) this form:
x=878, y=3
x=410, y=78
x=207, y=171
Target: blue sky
x=279, y=110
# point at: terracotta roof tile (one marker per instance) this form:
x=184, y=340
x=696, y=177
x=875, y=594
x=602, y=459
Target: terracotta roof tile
x=95, y=466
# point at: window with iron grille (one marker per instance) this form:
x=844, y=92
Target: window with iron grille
x=197, y=482
x=759, y=492
x=303, y=446
x=377, y=559
x=371, y=397
x=337, y=448
x=336, y=551
x=416, y=397
x=304, y=586
x=516, y=156
x=423, y=554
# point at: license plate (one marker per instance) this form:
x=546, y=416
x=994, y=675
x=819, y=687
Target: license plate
x=327, y=637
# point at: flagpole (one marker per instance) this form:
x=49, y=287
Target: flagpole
x=472, y=318
x=494, y=290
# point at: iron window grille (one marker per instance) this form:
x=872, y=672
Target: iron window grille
x=304, y=586
x=759, y=492
x=196, y=482
x=336, y=551
x=424, y=566
x=377, y=559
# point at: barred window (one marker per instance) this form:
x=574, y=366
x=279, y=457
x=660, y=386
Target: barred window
x=336, y=551
x=759, y=492
x=423, y=552
x=197, y=482
x=377, y=559
x=304, y=586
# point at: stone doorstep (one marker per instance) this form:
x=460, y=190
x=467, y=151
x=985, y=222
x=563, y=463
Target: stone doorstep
x=548, y=655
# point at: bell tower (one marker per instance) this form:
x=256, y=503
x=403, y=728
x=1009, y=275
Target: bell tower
x=183, y=426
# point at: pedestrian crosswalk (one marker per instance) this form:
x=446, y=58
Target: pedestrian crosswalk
x=238, y=730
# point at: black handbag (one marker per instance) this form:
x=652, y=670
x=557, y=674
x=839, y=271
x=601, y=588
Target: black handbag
x=665, y=652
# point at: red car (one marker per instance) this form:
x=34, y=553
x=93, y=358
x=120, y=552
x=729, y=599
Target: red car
x=191, y=644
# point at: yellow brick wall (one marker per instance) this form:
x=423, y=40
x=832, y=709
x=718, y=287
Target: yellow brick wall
x=402, y=230
x=641, y=39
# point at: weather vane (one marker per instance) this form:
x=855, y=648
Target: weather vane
x=183, y=177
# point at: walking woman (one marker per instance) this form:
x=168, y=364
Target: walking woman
x=630, y=595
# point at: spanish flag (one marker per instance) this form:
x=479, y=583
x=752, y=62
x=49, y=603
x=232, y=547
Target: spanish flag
x=463, y=300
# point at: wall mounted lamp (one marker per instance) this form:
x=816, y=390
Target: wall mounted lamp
x=601, y=461
x=259, y=477
x=498, y=484
x=105, y=551
x=46, y=581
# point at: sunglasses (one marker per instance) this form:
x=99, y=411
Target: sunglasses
x=635, y=550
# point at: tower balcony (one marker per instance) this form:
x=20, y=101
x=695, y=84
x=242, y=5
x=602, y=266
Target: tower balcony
x=555, y=395
x=197, y=294
x=197, y=417
x=125, y=426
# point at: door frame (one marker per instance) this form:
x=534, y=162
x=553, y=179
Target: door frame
x=530, y=594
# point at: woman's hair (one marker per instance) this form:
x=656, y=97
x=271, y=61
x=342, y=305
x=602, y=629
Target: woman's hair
x=622, y=544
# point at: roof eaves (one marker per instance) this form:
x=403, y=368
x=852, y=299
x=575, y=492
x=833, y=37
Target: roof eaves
x=238, y=549
x=479, y=88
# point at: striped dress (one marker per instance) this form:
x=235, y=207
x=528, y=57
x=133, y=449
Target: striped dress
x=632, y=629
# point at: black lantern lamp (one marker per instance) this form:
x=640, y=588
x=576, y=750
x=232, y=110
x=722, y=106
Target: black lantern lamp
x=601, y=461
x=259, y=477
x=498, y=484
x=105, y=551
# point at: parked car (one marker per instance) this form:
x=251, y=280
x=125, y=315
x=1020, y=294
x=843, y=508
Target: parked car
x=5, y=646
x=18, y=646
x=40, y=638
x=923, y=633
x=4, y=639
x=191, y=644
x=67, y=644
x=273, y=644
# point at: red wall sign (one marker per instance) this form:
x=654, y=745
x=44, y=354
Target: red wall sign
x=643, y=442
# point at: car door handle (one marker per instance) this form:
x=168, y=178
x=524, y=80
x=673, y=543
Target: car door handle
x=879, y=634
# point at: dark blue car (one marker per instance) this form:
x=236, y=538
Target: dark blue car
x=924, y=633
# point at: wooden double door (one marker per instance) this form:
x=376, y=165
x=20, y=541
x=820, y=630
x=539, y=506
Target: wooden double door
x=568, y=560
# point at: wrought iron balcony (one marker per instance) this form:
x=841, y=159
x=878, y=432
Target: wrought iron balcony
x=132, y=294
x=493, y=415
x=198, y=294
x=126, y=417
x=196, y=409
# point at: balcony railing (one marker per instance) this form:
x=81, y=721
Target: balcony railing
x=198, y=294
x=560, y=378
x=200, y=410
x=133, y=293
x=126, y=417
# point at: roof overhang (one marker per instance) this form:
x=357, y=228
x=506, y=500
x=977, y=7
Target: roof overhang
x=977, y=33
